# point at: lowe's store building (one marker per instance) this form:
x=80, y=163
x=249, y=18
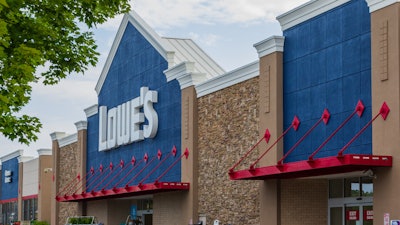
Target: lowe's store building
x=307, y=134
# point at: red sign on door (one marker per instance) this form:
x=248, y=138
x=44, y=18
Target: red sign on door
x=368, y=214
x=352, y=215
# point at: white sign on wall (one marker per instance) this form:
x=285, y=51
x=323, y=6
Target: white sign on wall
x=124, y=124
x=7, y=176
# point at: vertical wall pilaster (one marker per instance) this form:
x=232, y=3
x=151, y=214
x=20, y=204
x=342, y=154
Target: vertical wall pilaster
x=189, y=140
x=385, y=47
x=55, y=207
x=271, y=117
x=81, y=127
x=45, y=181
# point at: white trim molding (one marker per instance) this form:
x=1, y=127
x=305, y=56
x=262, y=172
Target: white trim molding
x=44, y=151
x=270, y=45
x=375, y=5
x=24, y=158
x=68, y=140
x=91, y=110
x=307, y=11
x=231, y=78
x=57, y=135
x=184, y=73
x=81, y=125
x=12, y=155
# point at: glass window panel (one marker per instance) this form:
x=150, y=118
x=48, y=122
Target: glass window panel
x=352, y=187
x=367, y=186
x=352, y=216
x=368, y=215
x=336, y=215
x=336, y=188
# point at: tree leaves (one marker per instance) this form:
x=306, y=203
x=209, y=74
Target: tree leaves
x=38, y=32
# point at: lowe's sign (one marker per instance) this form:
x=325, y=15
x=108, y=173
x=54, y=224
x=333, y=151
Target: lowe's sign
x=129, y=122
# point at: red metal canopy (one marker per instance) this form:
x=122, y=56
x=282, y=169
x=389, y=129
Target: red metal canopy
x=103, y=183
x=341, y=163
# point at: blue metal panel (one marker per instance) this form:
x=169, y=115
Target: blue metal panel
x=138, y=64
x=327, y=64
x=10, y=190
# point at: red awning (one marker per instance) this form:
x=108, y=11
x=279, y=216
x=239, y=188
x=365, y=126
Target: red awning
x=341, y=163
x=317, y=167
x=123, y=180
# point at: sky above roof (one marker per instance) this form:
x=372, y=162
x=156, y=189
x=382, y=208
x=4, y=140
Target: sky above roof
x=225, y=29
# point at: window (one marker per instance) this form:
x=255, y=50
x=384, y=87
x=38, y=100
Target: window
x=29, y=209
x=351, y=187
x=9, y=212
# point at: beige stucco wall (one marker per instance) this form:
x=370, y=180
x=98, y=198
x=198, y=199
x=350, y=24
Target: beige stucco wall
x=46, y=182
x=385, y=38
x=228, y=127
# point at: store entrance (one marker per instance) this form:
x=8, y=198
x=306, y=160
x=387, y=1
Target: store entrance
x=145, y=211
x=352, y=214
x=351, y=201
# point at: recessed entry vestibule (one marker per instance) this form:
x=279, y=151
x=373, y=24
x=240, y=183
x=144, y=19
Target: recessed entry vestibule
x=351, y=201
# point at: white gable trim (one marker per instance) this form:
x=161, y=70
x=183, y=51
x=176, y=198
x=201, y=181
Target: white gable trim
x=307, y=11
x=68, y=140
x=379, y=4
x=12, y=155
x=270, y=45
x=184, y=73
x=151, y=36
x=231, y=78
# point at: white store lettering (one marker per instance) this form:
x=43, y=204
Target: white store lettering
x=123, y=124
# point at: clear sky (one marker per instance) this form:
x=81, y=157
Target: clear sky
x=225, y=29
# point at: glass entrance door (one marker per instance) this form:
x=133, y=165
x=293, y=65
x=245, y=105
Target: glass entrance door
x=350, y=201
x=351, y=214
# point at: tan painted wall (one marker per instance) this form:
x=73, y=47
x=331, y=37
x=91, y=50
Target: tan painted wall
x=228, y=127
x=190, y=173
x=385, y=36
x=46, y=182
x=271, y=117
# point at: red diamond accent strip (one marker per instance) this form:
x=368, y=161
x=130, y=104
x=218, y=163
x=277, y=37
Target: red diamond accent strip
x=325, y=116
x=360, y=108
x=296, y=123
x=384, y=110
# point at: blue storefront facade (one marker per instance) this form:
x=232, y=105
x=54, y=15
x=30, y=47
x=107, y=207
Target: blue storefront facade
x=172, y=133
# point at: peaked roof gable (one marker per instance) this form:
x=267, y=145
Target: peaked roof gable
x=156, y=41
x=173, y=50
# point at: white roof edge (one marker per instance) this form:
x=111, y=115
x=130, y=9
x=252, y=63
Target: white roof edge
x=44, y=151
x=68, y=140
x=81, y=125
x=184, y=73
x=24, y=158
x=91, y=110
x=270, y=45
x=12, y=155
x=155, y=40
x=236, y=76
x=375, y=5
x=307, y=11
x=57, y=135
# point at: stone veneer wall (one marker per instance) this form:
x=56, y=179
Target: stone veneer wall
x=304, y=201
x=69, y=160
x=228, y=127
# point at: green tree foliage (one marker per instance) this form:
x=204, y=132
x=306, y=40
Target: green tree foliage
x=45, y=33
